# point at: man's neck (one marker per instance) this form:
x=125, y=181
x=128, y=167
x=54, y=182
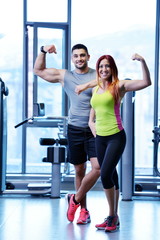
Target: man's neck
x=82, y=71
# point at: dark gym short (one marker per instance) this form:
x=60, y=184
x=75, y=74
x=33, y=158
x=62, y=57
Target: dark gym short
x=81, y=144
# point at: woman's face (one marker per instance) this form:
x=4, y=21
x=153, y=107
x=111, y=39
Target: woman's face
x=104, y=69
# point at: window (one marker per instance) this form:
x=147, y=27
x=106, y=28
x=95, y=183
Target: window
x=120, y=28
x=47, y=11
x=11, y=48
x=42, y=31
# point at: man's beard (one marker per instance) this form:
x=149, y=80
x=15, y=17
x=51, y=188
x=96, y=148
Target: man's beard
x=81, y=67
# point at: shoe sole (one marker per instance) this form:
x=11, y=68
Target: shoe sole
x=103, y=228
x=100, y=228
x=83, y=223
x=115, y=230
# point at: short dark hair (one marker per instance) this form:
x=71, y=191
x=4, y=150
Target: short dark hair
x=80, y=46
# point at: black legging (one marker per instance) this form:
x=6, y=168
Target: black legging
x=109, y=150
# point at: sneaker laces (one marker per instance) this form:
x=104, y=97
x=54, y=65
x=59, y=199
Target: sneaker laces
x=73, y=205
x=106, y=220
x=110, y=221
x=83, y=213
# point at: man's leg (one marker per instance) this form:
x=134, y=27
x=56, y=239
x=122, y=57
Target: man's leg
x=88, y=181
x=80, y=171
x=83, y=184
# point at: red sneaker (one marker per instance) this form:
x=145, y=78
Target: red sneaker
x=102, y=226
x=72, y=207
x=84, y=217
x=112, y=224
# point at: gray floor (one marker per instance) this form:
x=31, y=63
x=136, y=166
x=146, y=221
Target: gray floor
x=24, y=217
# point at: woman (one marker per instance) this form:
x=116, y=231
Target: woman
x=106, y=125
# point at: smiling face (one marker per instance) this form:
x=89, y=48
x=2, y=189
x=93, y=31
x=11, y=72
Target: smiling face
x=104, y=69
x=80, y=59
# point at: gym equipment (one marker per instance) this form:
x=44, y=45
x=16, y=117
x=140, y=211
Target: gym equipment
x=3, y=134
x=55, y=154
x=127, y=163
x=156, y=141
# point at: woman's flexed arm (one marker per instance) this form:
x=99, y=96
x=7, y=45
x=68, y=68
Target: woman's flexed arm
x=134, y=85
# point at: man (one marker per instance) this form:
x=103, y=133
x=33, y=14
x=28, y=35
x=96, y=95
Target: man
x=81, y=142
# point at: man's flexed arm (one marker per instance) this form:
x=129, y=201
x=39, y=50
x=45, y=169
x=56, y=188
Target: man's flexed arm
x=49, y=74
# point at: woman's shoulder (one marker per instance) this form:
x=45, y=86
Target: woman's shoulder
x=121, y=83
x=95, y=88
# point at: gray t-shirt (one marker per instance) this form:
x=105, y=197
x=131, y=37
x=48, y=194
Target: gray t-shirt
x=79, y=104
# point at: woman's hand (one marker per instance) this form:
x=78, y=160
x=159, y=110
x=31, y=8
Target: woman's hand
x=137, y=57
x=92, y=126
x=135, y=85
x=80, y=88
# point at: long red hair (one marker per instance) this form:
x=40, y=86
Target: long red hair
x=113, y=80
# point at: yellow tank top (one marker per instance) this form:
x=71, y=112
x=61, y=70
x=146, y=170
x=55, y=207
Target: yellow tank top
x=108, y=119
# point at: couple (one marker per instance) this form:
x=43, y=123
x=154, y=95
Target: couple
x=95, y=130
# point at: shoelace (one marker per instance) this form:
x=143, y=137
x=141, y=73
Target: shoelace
x=71, y=204
x=106, y=220
x=110, y=220
x=83, y=214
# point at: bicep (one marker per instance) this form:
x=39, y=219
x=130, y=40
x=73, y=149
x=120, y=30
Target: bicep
x=132, y=85
x=51, y=75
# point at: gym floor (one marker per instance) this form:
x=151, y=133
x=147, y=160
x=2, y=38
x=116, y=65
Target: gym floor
x=25, y=217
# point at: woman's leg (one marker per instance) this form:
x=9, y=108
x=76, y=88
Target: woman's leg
x=114, y=148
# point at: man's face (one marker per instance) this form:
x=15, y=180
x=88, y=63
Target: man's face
x=80, y=58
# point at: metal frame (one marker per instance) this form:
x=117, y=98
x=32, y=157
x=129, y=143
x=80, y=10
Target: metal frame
x=66, y=26
x=150, y=185
x=3, y=134
x=156, y=95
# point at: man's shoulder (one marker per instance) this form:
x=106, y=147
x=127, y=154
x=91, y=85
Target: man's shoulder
x=68, y=72
x=68, y=75
x=92, y=70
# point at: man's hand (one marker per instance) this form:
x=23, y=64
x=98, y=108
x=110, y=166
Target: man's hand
x=50, y=49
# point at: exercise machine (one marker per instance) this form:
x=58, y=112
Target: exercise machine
x=55, y=154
